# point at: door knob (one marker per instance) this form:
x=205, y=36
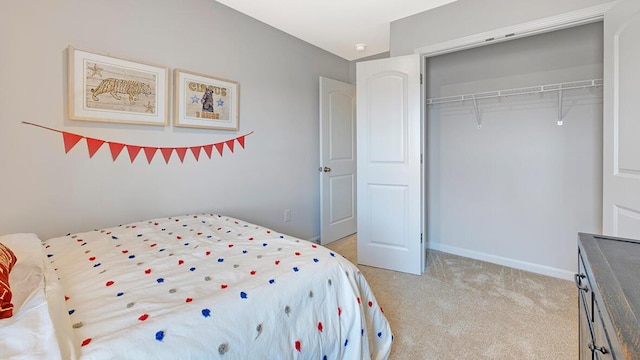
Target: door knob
x=325, y=169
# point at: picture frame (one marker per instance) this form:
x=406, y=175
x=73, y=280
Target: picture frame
x=205, y=102
x=110, y=89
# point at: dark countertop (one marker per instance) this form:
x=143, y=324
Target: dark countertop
x=615, y=265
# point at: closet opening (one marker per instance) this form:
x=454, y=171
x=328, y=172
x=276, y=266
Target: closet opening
x=513, y=161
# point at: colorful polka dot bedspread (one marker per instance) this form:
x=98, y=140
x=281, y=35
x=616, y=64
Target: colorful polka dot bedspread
x=213, y=287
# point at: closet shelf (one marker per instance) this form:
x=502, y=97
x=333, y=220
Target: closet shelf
x=521, y=91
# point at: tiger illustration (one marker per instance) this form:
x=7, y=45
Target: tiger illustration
x=119, y=86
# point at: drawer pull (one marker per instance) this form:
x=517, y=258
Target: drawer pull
x=578, y=279
x=595, y=348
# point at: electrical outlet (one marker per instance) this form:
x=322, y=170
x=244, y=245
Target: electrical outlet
x=287, y=215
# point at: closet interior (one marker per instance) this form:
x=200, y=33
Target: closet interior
x=514, y=149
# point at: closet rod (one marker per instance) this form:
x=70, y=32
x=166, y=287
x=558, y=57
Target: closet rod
x=521, y=91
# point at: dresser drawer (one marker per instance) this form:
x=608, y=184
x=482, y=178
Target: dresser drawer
x=586, y=331
x=583, y=280
x=600, y=346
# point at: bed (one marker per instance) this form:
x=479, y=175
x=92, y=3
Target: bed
x=189, y=287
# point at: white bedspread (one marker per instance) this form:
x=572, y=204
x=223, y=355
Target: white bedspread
x=214, y=287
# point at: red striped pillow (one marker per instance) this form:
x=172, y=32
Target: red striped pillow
x=7, y=260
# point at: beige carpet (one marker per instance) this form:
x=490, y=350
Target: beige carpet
x=462, y=308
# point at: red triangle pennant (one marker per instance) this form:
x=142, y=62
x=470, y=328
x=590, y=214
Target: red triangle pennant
x=207, y=149
x=196, y=151
x=70, y=140
x=133, y=151
x=241, y=140
x=166, y=153
x=181, y=151
x=219, y=147
x=93, y=145
x=149, y=152
x=115, y=148
x=230, y=144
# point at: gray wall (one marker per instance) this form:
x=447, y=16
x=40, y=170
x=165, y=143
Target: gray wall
x=517, y=190
x=469, y=17
x=46, y=191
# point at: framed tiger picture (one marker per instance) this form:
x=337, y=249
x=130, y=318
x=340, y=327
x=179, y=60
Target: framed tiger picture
x=110, y=89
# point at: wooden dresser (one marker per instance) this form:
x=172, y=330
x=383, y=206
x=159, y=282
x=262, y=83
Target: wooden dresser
x=608, y=283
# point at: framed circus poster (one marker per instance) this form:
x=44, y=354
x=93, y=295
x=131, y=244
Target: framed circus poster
x=203, y=101
x=110, y=89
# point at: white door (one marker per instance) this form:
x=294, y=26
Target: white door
x=389, y=169
x=621, y=180
x=337, y=160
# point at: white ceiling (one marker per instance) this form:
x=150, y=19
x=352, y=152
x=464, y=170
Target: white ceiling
x=335, y=25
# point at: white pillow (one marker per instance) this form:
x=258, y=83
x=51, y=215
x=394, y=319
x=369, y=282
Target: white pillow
x=32, y=333
x=27, y=274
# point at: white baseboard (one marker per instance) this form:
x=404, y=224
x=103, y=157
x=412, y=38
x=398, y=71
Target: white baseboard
x=517, y=264
x=315, y=240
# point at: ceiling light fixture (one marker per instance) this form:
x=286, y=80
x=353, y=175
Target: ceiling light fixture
x=361, y=47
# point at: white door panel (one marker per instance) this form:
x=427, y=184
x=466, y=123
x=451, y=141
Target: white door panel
x=338, y=157
x=387, y=138
x=390, y=202
x=628, y=63
x=628, y=222
x=389, y=169
x=621, y=179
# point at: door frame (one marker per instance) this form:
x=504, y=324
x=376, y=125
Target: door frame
x=548, y=24
x=331, y=232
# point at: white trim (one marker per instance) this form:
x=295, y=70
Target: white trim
x=315, y=240
x=552, y=23
x=516, y=264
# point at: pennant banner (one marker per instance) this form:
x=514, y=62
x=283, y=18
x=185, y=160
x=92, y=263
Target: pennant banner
x=70, y=140
x=181, y=151
x=219, y=147
x=230, y=144
x=196, y=151
x=208, y=149
x=93, y=145
x=166, y=153
x=149, y=152
x=116, y=149
x=133, y=152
